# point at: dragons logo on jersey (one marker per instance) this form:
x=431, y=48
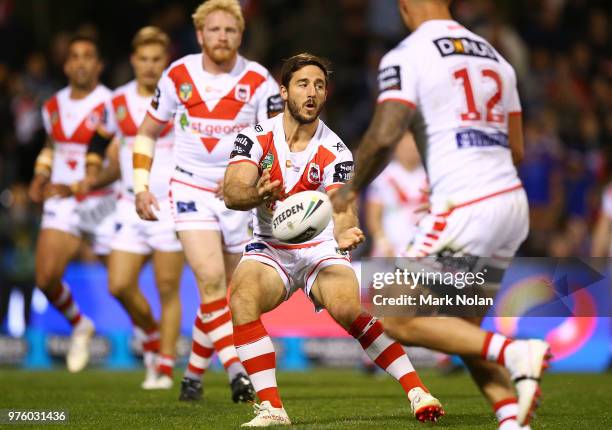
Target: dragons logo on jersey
x=93, y=120
x=242, y=92
x=266, y=163
x=185, y=91
x=314, y=174
x=121, y=113
x=54, y=118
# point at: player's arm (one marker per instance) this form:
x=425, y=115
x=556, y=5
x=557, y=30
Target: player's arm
x=346, y=226
x=111, y=172
x=42, y=172
x=515, y=137
x=245, y=189
x=390, y=122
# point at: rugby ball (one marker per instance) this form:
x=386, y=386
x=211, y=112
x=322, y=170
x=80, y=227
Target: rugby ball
x=301, y=217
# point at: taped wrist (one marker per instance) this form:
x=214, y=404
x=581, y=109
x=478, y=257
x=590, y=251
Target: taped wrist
x=144, y=149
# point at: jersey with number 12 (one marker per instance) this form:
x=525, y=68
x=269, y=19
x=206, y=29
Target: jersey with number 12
x=463, y=92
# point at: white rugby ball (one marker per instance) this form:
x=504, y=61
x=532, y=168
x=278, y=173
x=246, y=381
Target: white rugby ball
x=301, y=217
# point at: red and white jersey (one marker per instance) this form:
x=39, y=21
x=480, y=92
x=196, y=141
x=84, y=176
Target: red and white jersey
x=400, y=191
x=209, y=110
x=129, y=109
x=71, y=124
x=464, y=92
x=325, y=164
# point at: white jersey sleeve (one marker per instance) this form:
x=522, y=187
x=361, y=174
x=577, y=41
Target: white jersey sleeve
x=397, y=80
x=269, y=101
x=246, y=147
x=165, y=101
x=340, y=170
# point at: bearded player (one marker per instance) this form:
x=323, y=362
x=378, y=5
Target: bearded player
x=212, y=96
x=458, y=96
x=279, y=157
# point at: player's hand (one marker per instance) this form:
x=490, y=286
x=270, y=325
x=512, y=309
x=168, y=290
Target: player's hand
x=145, y=200
x=219, y=190
x=350, y=238
x=269, y=191
x=57, y=190
x=37, y=188
x=342, y=199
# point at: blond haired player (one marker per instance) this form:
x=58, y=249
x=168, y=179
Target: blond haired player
x=279, y=157
x=459, y=97
x=212, y=96
x=71, y=118
x=136, y=240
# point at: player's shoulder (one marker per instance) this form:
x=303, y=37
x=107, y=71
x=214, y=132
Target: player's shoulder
x=329, y=140
x=184, y=61
x=262, y=128
x=102, y=91
x=53, y=101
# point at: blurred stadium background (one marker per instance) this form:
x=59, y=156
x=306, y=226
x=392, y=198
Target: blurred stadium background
x=561, y=50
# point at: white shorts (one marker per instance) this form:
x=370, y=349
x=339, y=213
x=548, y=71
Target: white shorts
x=297, y=267
x=493, y=226
x=195, y=207
x=135, y=235
x=91, y=217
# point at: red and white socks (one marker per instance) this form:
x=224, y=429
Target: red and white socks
x=506, y=412
x=212, y=331
x=256, y=352
x=494, y=348
x=62, y=299
x=385, y=352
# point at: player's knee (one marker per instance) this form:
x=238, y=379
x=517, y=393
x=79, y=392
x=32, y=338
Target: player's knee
x=344, y=312
x=46, y=278
x=211, y=281
x=168, y=290
x=118, y=288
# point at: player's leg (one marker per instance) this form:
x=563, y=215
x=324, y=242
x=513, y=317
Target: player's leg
x=168, y=268
x=256, y=289
x=212, y=330
x=336, y=288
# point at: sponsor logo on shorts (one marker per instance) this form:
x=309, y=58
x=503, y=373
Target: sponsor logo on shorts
x=343, y=171
x=242, y=146
x=185, y=91
x=184, y=207
x=464, y=46
x=389, y=78
x=118, y=226
x=255, y=246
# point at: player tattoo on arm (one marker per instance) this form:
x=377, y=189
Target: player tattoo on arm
x=390, y=122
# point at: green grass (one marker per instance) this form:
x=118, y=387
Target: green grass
x=322, y=399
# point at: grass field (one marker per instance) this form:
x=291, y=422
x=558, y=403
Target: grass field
x=322, y=399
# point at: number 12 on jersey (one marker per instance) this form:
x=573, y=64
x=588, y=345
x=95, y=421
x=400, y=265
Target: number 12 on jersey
x=473, y=111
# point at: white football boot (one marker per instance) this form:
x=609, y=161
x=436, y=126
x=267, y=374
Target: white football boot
x=526, y=359
x=266, y=415
x=424, y=406
x=78, y=352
